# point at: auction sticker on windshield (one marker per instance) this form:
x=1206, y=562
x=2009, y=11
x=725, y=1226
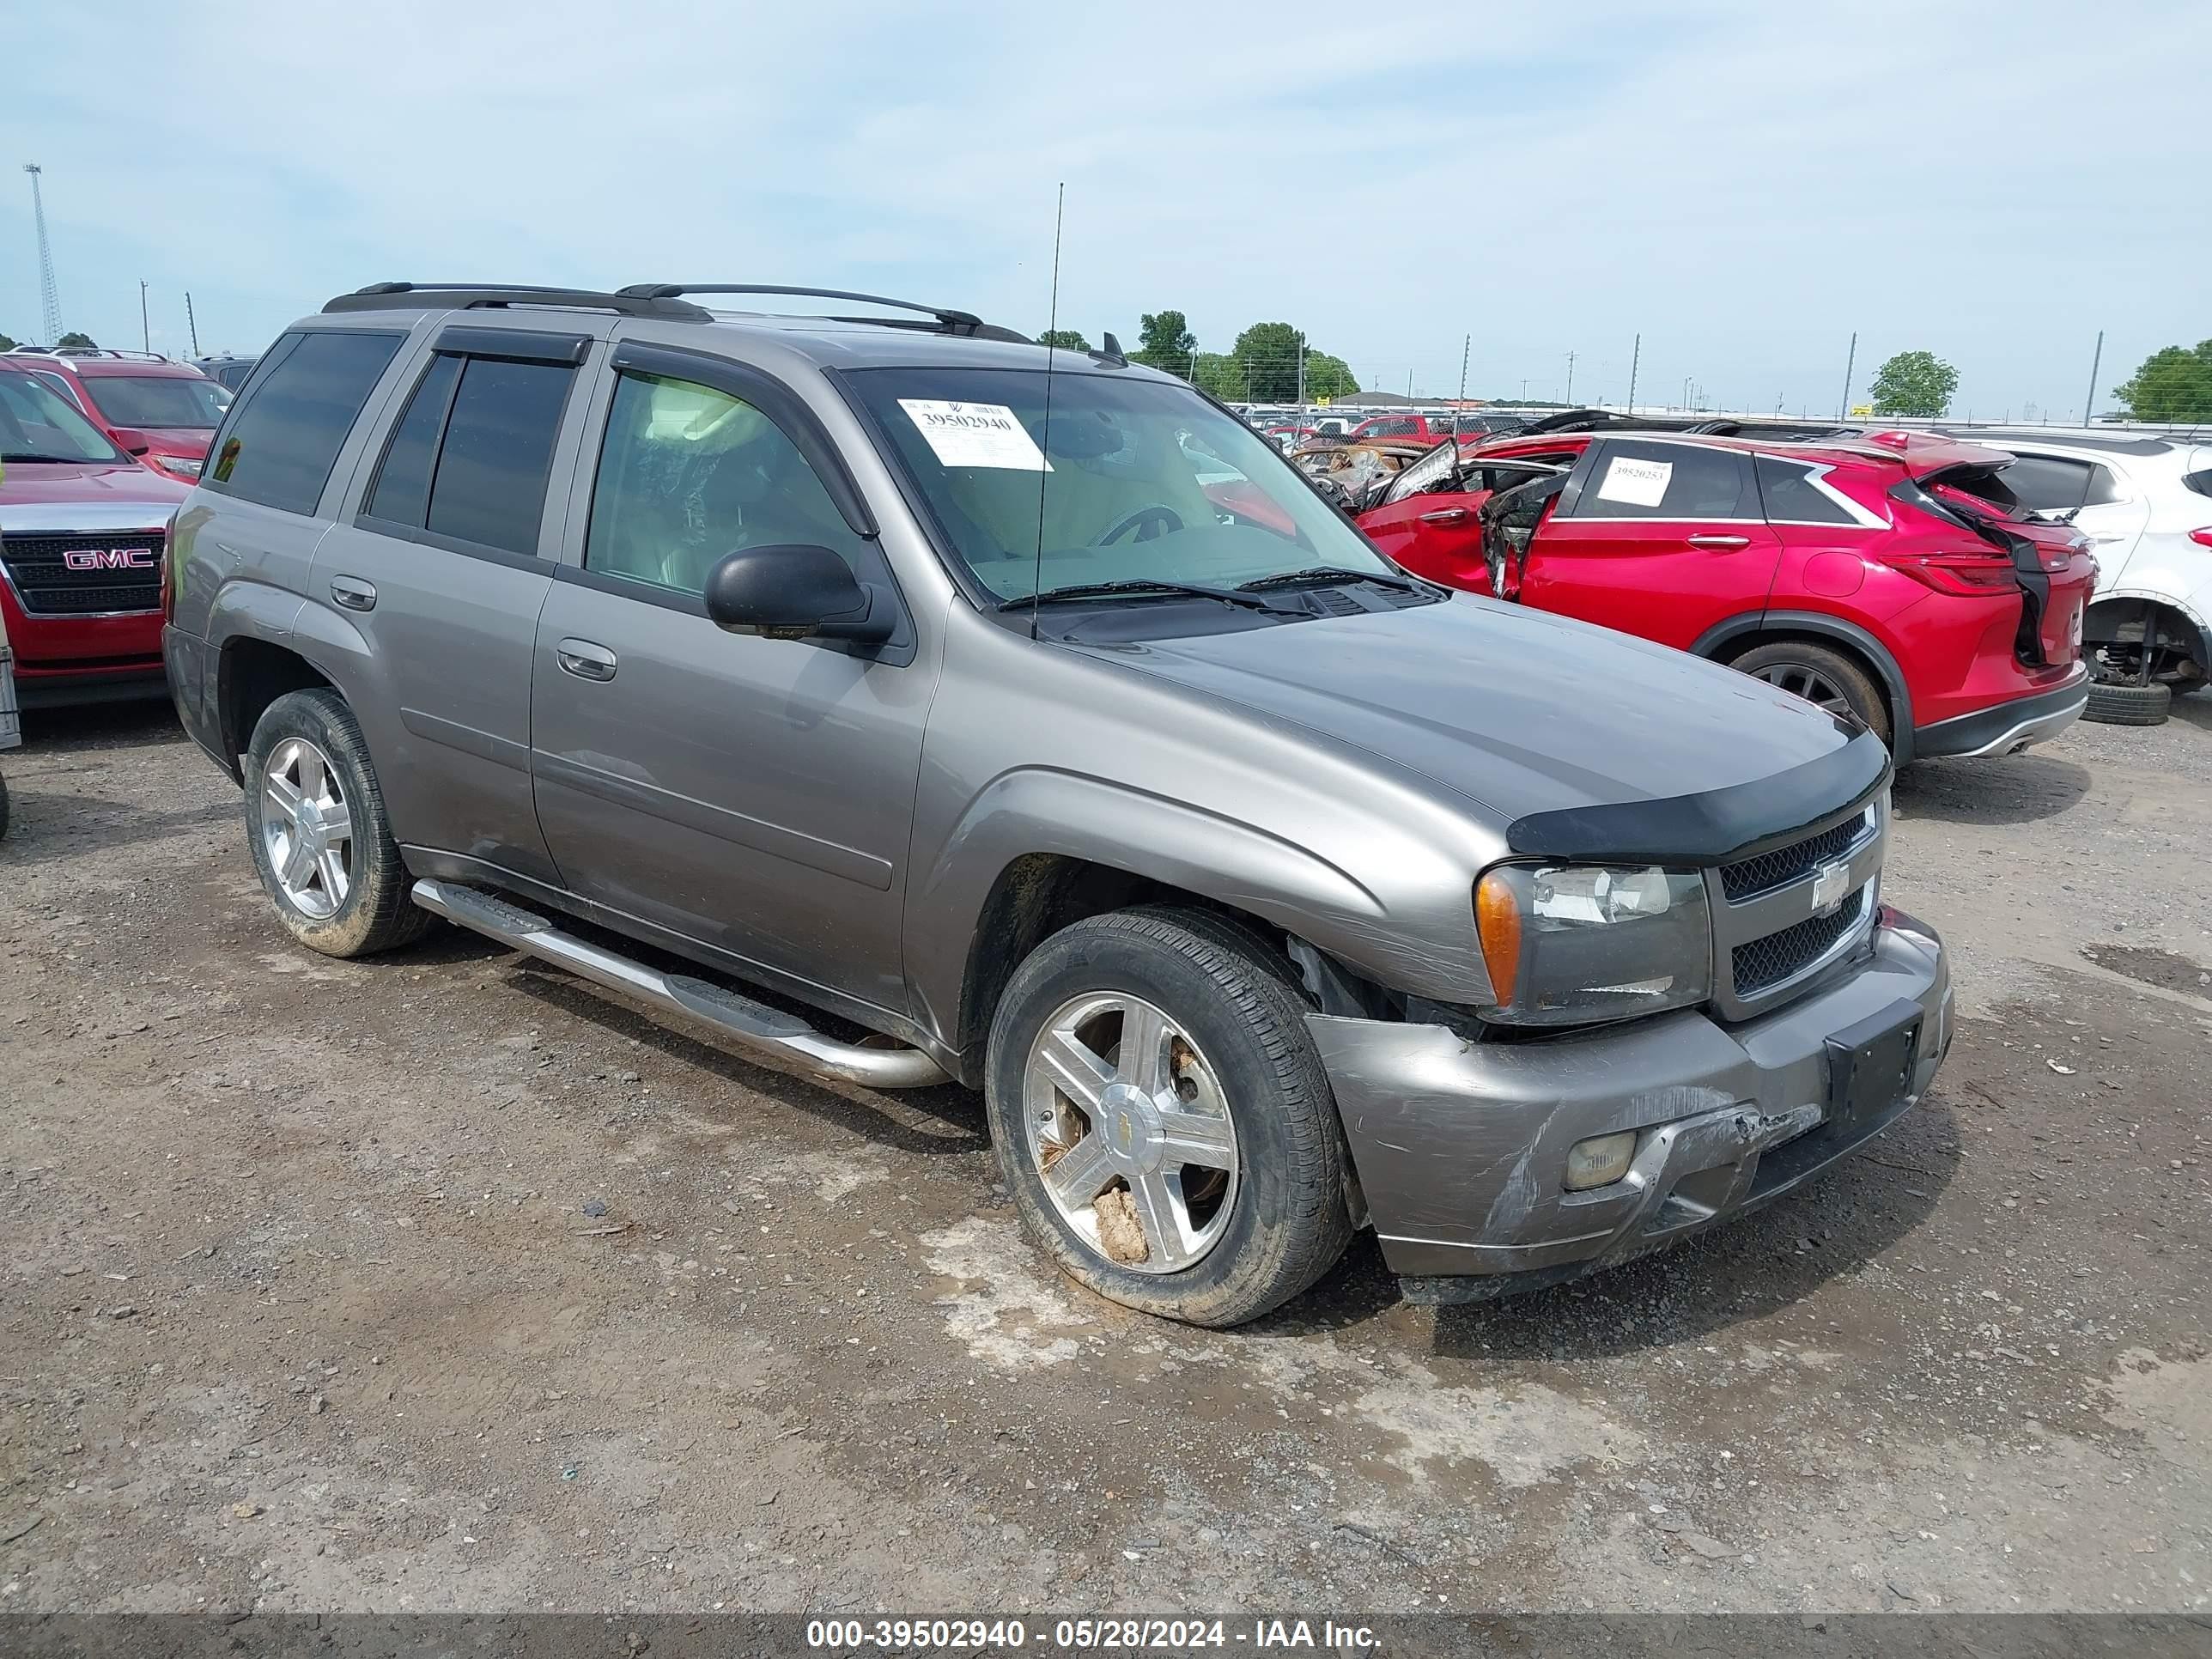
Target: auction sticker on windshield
x=975, y=434
x=1639, y=483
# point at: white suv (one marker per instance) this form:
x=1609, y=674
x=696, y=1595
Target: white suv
x=2146, y=505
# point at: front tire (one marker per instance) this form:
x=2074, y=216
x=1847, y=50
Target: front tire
x=1821, y=676
x=1162, y=1119
x=315, y=822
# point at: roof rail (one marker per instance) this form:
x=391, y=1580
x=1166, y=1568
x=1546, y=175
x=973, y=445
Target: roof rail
x=87, y=351
x=952, y=321
x=472, y=296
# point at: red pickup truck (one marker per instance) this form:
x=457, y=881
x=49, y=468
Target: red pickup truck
x=83, y=529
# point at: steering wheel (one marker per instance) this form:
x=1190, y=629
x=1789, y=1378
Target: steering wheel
x=1150, y=523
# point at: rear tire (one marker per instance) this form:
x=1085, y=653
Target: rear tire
x=1249, y=1163
x=2128, y=705
x=1807, y=670
x=344, y=893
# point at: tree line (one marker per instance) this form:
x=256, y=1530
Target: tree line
x=1260, y=368
x=2172, y=385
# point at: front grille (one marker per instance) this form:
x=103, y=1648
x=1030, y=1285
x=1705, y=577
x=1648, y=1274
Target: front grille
x=1748, y=878
x=39, y=568
x=1768, y=961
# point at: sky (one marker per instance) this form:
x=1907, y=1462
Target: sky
x=1744, y=185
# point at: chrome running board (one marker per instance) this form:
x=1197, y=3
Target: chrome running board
x=784, y=1037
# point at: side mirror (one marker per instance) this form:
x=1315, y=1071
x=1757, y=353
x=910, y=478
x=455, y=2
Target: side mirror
x=795, y=591
x=132, y=440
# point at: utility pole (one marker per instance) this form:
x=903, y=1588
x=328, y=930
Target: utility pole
x=1570, y=398
x=1466, y=344
x=1524, y=389
x=1686, y=394
x=50, y=297
x=2088, y=408
x=1302, y=379
x=1851, y=363
x=192, y=323
x=145, y=329
x=1635, y=362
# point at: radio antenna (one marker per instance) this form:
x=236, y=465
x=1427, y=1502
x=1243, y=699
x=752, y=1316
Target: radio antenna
x=1044, y=448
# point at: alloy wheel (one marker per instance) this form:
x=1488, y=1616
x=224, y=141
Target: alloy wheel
x=1131, y=1133
x=306, y=829
x=1806, y=683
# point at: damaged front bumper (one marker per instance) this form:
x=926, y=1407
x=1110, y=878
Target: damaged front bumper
x=1462, y=1147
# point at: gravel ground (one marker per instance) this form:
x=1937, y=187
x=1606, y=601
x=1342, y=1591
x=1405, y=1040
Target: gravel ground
x=443, y=1281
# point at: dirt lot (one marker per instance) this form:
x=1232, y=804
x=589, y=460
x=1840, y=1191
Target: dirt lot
x=311, y=1303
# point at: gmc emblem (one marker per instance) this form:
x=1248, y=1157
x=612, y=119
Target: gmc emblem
x=109, y=558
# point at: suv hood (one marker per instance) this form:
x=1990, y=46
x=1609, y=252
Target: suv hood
x=54, y=496
x=1525, y=714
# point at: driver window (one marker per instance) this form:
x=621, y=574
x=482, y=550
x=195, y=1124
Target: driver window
x=687, y=474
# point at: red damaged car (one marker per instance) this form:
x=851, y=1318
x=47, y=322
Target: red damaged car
x=83, y=528
x=1893, y=577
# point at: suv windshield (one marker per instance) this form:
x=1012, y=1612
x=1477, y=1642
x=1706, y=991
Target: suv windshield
x=39, y=425
x=171, y=400
x=1140, y=482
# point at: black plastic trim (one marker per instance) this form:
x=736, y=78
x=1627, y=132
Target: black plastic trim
x=1718, y=825
x=1820, y=625
x=1964, y=733
x=521, y=345
x=468, y=550
x=783, y=406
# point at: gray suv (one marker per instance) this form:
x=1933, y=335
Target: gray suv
x=1021, y=718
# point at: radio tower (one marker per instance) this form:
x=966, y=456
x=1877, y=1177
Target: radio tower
x=49, y=296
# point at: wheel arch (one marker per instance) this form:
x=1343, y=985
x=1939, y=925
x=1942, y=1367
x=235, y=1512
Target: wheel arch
x=1737, y=634
x=250, y=673
x=1039, y=848
x=2109, y=613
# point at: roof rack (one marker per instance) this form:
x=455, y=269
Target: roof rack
x=950, y=320
x=87, y=351
x=473, y=296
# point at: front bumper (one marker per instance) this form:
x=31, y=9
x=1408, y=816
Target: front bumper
x=2006, y=727
x=1461, y=1147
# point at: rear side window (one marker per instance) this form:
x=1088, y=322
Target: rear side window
x=470, y=454
x=2104, y=487
x=278, y=447
x=1792, y=497
x=2049, y=483
x=2200, y=481
x=401, y=494
x=1666, y=480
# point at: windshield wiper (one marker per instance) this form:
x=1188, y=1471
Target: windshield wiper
x=1328, y=573
x=1140, y=585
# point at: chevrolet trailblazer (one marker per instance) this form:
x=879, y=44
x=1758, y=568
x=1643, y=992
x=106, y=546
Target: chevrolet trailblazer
x=1021, y=718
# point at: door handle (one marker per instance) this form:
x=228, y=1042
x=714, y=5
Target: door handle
x=352, y=594
x=1447, y=515
x=1720, y=544
x=585, y=660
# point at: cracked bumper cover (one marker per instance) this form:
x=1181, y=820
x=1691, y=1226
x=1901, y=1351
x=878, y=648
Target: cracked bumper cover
x=1462, y=1147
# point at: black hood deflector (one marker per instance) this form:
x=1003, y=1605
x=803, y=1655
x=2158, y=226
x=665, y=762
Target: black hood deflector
x=1717, y=826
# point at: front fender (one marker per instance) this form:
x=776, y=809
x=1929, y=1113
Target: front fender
x=1042, y=811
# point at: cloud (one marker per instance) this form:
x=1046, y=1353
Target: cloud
x=1743, y=184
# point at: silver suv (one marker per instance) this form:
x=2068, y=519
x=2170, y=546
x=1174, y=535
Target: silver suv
x=1021, y=718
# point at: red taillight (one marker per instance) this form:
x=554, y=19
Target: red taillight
x=2202, y=537
x=1977, y=573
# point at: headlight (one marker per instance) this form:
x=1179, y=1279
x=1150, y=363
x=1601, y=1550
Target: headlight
x=184, y=467
x=1573, y=943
